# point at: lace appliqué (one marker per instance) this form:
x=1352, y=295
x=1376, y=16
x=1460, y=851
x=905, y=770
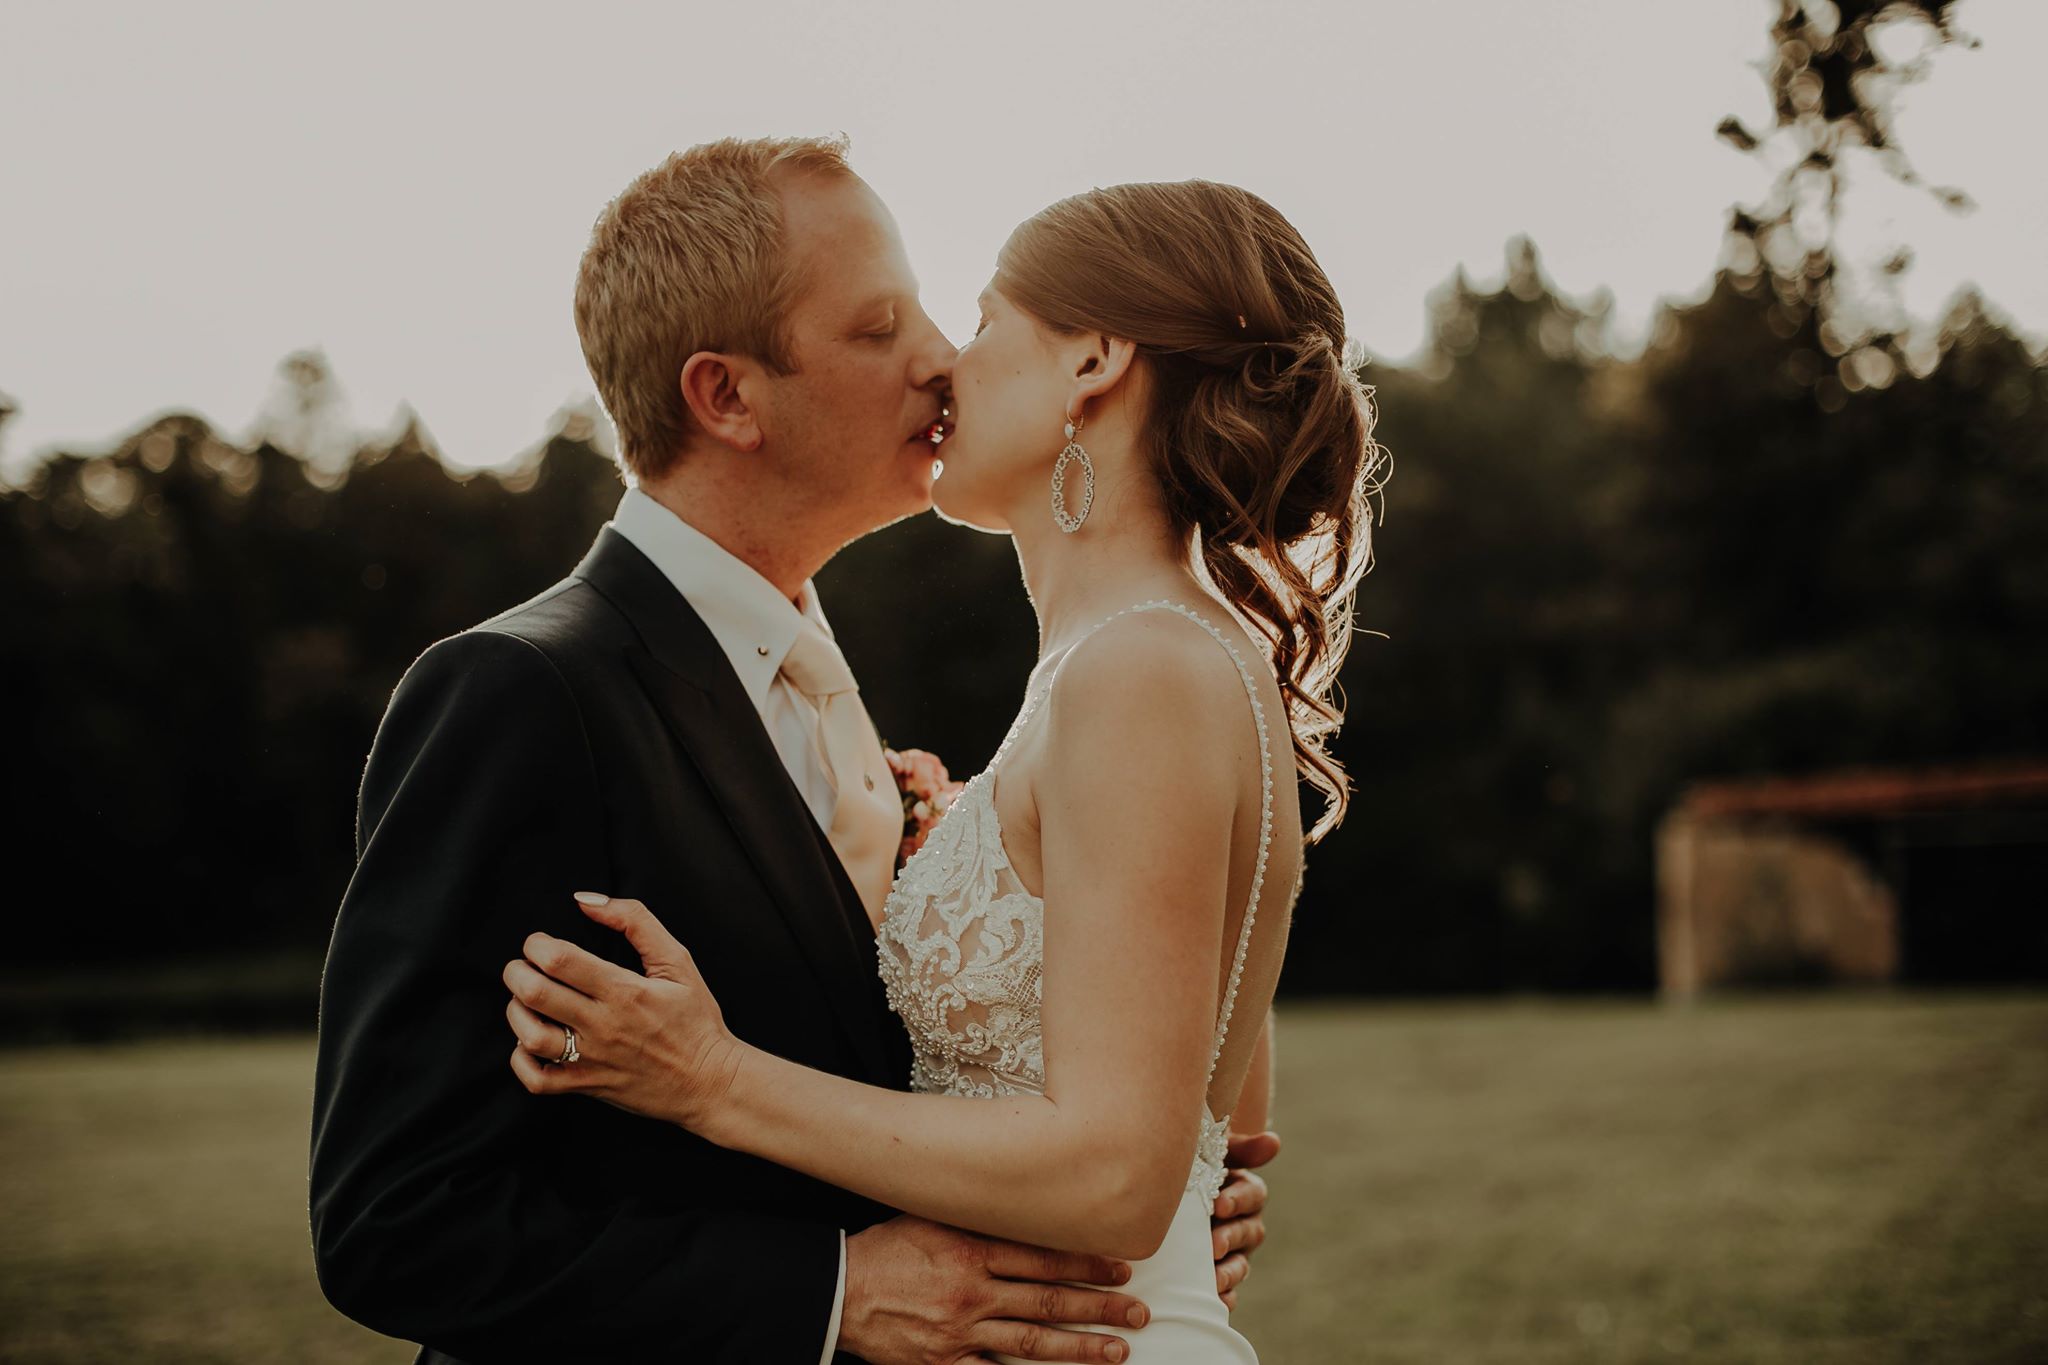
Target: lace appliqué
x=1211, y=1147
x=960, y=953
x=961, y=948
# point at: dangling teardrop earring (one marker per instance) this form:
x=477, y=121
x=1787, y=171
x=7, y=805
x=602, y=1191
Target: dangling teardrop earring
x=1070, y=522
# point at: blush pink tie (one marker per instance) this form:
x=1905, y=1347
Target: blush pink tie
x=867, y=814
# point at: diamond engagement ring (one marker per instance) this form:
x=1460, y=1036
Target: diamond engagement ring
x=569, y=1052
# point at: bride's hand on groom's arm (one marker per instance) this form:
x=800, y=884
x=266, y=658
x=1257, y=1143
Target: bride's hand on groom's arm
x=653, y=1044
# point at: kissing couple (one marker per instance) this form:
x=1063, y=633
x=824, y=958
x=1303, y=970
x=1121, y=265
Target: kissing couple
x=636, y=840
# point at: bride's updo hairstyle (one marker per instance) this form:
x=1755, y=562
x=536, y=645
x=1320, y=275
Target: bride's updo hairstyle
x=1259, y=433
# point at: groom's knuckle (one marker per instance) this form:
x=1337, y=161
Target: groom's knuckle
x=955, y=1276
x=964, y=1299
x=1049, y=1302
x=972, y=1256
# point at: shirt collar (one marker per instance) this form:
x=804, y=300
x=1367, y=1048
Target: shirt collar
x=749, y=617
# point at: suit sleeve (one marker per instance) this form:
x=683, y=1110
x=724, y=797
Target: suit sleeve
x=443, y=1201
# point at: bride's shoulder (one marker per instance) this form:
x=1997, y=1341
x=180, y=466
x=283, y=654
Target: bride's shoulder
x=1144, y=716
x=1148, y=675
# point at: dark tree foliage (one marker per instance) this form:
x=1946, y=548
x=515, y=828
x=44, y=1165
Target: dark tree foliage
x=1603, y=581
x=1780, y=540
x=1597, y=580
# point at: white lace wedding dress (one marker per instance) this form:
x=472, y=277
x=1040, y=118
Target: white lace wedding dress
x=961, y=950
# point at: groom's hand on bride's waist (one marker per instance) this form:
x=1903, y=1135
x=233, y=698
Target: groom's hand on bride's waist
x=921, y=1293
x=1237, y=1225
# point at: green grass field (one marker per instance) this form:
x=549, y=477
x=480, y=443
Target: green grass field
x=1769, y=1181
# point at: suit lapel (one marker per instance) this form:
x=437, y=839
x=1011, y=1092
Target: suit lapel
x=699, y=697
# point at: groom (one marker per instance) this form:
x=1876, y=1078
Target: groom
x=653, y=723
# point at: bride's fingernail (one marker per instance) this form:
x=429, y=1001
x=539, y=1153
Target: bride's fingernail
x=593, y=898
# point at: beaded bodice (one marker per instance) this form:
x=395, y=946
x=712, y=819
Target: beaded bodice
x=962, y=943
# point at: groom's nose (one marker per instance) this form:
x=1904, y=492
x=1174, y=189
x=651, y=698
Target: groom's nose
x=932, y=364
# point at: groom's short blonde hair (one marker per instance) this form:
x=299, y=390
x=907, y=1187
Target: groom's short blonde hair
x=690, y=257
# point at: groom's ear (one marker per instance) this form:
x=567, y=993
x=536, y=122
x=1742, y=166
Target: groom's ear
x=716, y=388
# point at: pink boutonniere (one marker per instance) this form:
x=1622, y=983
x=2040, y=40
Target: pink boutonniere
x=927, y=790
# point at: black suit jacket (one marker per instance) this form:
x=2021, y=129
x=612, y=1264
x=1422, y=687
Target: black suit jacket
x=594, y=738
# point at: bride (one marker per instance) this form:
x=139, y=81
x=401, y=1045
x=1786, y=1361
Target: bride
x=1075, y=940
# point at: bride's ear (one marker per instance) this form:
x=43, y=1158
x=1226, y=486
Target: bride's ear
x=1100, y=367
x=715, y=389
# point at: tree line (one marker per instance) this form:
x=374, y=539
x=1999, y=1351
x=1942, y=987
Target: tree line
x=1596, y=581
x=1785, y=537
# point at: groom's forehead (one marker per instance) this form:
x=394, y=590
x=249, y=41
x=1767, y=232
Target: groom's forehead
x=831, y=214
x=842, y=241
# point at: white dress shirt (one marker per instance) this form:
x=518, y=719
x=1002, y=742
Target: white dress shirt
x=755, y=625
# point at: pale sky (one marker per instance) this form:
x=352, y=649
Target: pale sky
x=190, y=192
